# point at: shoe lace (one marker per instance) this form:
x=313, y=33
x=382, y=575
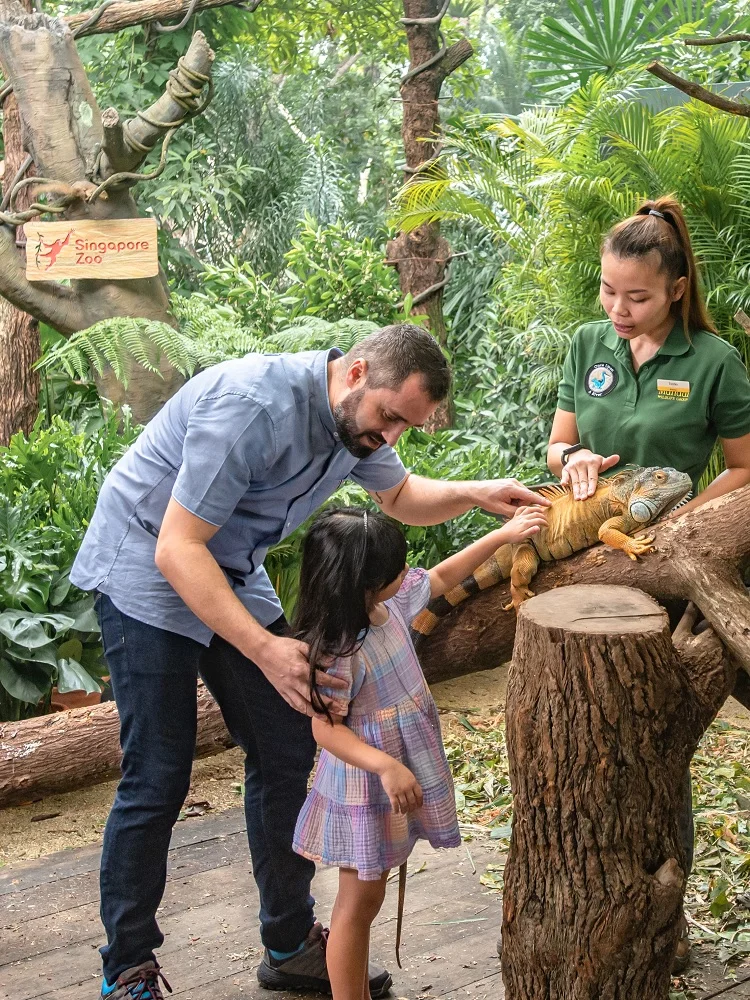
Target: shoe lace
x=146, y=981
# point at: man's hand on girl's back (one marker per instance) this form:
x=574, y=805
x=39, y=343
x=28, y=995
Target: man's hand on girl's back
x=285, y=664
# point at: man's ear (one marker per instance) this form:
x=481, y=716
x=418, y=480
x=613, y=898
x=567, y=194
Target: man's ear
x=356, y=374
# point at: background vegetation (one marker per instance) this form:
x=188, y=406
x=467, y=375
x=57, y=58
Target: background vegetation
x=275, y=208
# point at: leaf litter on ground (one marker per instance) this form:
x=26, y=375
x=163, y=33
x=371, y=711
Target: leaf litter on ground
x=717, y=900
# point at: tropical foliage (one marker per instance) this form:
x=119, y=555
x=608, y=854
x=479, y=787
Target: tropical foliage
x=275, y=208
x=546, y=187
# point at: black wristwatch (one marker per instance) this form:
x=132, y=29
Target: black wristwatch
x=567, y=452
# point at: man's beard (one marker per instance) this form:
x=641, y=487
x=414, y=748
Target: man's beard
x=345, y=418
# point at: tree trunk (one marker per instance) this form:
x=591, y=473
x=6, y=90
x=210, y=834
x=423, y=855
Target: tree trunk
x=64, y=131
x=421, y=257
x=19, y=332
x=700, y=556
x=81, y=747
x=603, y=718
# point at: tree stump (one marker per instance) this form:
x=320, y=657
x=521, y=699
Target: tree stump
x=604, y=713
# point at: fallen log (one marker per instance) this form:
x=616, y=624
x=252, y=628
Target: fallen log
x=603, y=715
x=700, y=556
x=81, y=747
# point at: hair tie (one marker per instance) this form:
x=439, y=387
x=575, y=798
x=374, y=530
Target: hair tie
x=364, y=519
x=659, y=215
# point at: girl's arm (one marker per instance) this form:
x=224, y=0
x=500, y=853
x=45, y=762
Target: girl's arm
x=400, y=785
x=451, y=571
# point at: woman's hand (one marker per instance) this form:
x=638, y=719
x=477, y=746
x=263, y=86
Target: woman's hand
x=582, y=472
x=527, y=521
x=401, y=787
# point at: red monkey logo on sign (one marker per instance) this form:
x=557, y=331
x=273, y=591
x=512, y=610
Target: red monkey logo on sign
x=50, y=250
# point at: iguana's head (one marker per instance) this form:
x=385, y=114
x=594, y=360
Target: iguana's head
x=647, y=493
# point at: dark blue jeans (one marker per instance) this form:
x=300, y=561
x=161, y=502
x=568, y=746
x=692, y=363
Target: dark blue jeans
x=154, y=678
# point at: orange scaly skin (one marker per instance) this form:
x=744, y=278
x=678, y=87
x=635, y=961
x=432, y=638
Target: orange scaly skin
x=622, y=505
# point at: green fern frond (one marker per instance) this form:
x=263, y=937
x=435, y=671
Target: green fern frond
x=118, y=343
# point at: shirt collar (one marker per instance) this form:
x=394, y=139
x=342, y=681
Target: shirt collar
x=322, y=399
x=675, y=344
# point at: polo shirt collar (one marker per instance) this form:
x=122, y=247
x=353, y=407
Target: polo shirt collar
x=322, y=400
x=675, y=344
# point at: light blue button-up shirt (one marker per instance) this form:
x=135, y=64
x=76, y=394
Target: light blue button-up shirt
x=249, y=445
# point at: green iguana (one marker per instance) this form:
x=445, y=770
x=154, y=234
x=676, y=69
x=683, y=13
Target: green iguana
x=623, y=504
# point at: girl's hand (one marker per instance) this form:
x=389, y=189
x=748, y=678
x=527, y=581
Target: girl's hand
x=582, y=472
x=528, y=521
x=401, y=787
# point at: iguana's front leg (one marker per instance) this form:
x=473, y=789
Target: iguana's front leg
x=612, y=534
x=525, y=563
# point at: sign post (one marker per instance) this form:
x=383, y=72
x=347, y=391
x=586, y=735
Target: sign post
x=110, y=249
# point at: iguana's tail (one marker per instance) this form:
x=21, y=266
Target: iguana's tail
x=492, y=571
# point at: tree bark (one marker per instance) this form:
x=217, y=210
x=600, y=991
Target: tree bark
x=132, y=12
x=422, y=256
x=700, y=556
x=19, y=332
x=81, y=747
x=603, y=717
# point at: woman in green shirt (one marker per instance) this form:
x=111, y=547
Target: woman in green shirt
x=652, y=384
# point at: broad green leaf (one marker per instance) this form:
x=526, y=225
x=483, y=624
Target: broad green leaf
x=71, y=676
x=26, y=629
x=24, y=683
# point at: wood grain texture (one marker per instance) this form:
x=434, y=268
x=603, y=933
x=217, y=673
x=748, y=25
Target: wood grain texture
x=104, y=249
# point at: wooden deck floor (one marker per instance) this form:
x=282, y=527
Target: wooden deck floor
x=50, y=931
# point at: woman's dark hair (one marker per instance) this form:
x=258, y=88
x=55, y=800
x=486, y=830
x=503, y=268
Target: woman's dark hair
x=660, y=225
x=348, y=554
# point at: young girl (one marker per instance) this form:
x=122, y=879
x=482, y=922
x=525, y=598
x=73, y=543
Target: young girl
x=383, y=780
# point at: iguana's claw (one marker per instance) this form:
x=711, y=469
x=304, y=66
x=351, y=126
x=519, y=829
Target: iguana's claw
x=639, y=547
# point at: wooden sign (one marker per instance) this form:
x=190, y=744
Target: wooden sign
x=112, y=248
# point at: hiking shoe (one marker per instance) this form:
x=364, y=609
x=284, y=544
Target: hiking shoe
x=681, y=959
x=139, y=983
x=307, y=970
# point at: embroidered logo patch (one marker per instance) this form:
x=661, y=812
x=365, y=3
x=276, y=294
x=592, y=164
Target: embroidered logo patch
x=667, y=388
x=601, y=379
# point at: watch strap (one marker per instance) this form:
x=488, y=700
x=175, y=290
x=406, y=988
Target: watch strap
x=567, y=452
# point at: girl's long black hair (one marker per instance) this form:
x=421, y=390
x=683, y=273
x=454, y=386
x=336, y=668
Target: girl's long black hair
x=349, y=553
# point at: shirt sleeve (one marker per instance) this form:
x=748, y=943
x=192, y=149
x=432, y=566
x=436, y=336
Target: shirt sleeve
x=414, y=594
x=229, y=442
x=347, y=668
x=730, y=398
x=566, y=388
x=380, y=471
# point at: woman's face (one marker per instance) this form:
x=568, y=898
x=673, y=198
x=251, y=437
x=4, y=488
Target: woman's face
x=637, y=295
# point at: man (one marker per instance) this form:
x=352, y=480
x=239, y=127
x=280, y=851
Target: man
x=234, y=462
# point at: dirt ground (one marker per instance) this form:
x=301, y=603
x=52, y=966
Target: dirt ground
x=73, y=820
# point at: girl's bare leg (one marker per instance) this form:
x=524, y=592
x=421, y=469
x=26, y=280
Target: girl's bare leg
x=347, y=950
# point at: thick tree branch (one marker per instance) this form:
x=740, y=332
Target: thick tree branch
x=62, y=124
x=132, y=12
x=126, y=146
x=697, y=92
x=719, y=40
x=454, y=57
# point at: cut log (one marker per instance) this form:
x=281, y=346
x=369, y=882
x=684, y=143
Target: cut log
x=603, y=715
x=81, y=747
x=700, y=556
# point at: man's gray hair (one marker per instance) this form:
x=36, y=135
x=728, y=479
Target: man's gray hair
x=398, y=351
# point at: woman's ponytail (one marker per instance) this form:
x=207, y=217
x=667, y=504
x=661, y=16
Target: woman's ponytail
x=660, y=225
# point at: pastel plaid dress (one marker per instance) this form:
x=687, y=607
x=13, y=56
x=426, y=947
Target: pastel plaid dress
x=347, y=819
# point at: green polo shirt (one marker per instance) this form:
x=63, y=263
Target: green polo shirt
x=671, y=412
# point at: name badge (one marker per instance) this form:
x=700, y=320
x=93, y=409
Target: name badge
x=668, y=388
